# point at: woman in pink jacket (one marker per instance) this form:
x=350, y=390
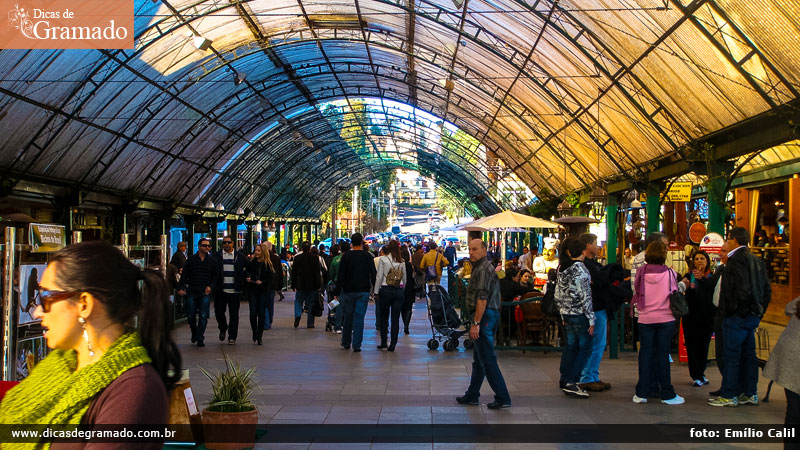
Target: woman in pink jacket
x=654, y=284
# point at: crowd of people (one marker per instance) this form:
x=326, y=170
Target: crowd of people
x=107, y=368
x=225, y=277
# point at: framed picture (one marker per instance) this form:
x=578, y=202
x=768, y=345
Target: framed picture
x=29, y=277
x=26, y=357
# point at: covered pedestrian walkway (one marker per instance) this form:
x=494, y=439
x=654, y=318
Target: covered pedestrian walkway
x=306, y=378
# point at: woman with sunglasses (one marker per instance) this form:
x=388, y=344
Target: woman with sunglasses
x=113, y=359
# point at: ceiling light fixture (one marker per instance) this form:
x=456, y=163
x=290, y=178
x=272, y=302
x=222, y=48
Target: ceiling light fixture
x=202, y=43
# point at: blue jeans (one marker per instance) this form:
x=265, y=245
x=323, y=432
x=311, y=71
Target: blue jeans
x=270, y=309
x=353, y=307
x=655, y=340
x=484, y=361
x=740, y=375
x=197, y=304
x=304, y=299
x=579, y=347
x=591, y=372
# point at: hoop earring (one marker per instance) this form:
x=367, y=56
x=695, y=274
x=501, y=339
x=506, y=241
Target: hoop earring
x=82, y=321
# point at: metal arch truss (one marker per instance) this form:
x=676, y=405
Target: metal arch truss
x=301, y=161
x=741, y=53
x=604, y=141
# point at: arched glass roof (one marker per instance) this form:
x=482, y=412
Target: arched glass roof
x=602, y=89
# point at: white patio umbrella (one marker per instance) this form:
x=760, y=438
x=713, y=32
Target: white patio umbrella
x=504, y=221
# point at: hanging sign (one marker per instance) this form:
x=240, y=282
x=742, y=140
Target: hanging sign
x=712, y=243
x=696, y=232
x=47, y=238
x=680, y=192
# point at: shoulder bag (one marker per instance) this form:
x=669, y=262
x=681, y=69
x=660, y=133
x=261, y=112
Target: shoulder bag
x=677, y=299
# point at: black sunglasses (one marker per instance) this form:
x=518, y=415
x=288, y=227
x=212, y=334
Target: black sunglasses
x=47, y=298
x=227, y=242
x=205, y=245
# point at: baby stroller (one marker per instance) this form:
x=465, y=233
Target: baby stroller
x=445, y=322
x=330, y=323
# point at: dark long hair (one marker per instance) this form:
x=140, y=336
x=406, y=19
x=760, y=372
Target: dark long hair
x=570, y=248
x=102, y=270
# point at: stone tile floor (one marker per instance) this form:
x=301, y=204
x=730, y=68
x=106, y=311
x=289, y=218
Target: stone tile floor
x=306, y=378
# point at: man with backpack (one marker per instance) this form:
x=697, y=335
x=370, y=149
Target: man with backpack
x=746, y=291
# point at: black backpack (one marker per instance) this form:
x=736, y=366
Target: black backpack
x=549, y=305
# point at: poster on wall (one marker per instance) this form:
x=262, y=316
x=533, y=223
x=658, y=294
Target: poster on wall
x=26, y=357
x=29, y=353
x=29, y=277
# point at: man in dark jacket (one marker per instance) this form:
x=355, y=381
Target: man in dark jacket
x=198, y=280
x=354, y=281
x=590, y=376
x=306, y=282
x=746, y=292
x=450, y=254
x=179, y=257
x=232, y=266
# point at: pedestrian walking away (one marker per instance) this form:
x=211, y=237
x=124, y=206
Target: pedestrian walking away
x=306, y=282
x=389, y=286
x=483, y=307
x=232, y=273
x=354, y=282
x=198, y=281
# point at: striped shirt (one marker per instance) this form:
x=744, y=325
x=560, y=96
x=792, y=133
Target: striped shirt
x=228, y=273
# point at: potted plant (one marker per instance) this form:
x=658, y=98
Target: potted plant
x=230, y=405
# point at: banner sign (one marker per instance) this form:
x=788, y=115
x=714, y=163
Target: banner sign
x=680, y=192
x=47, y=238
x=67, y=24
x=712, y=243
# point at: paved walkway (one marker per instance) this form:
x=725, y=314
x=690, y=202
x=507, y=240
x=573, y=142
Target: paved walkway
x=306, y=378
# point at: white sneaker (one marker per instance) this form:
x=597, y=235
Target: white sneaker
x=637, y=399
x=677, y=400
x=338, y=331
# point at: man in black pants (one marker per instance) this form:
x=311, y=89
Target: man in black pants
x=231, y=265
x=198, y=280
x=306, y=281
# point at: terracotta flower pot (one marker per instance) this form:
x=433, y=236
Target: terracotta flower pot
x=229, y=430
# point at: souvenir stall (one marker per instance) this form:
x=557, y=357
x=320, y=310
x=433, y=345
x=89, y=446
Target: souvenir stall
x=26, y=251
x=767, y=212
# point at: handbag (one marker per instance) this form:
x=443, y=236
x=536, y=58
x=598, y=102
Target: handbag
x=430, y=271
x=318, y=307
x=677, y=300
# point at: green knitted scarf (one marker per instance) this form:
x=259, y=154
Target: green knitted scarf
x=55, y=393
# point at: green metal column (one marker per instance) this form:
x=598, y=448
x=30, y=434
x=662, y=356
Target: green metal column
x=653, y=207
x=716, y=205
x=611, y=255
x=611, y=229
